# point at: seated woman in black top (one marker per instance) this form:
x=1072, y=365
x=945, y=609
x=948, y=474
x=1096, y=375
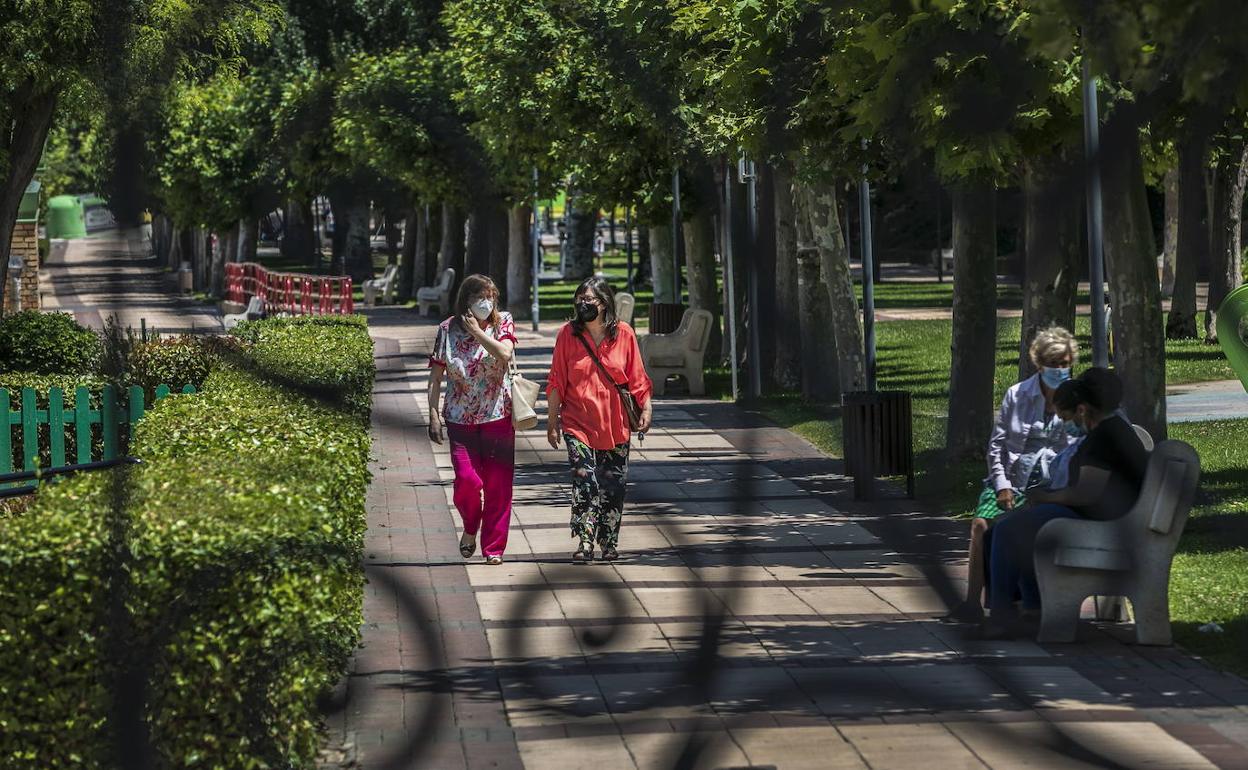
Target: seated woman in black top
x=1106, y=475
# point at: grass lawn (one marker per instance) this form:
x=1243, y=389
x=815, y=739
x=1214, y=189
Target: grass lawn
x=1210, y=579
x=556, y=298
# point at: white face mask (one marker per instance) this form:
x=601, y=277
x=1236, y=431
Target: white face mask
x=482, y=308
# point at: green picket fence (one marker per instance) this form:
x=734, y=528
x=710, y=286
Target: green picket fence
x=62, y=417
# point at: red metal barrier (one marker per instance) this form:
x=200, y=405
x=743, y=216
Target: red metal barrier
x=293, y=293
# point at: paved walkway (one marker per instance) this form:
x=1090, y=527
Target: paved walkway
x=111, y=274
x=760, y=618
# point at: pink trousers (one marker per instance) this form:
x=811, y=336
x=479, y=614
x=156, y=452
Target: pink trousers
x=484, y=458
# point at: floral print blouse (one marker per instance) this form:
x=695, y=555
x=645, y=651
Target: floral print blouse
x=478, y=387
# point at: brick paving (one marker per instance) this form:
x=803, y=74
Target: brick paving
x=827, y=652
x=819, y=611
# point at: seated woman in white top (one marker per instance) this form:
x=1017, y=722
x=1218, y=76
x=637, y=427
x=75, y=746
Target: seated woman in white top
x=1029, y=436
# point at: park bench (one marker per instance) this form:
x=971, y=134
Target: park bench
x=381, y=288
x=438, y=295
x=1130, y=556
x=679, y=353
x=625, y=304
x=254, y=312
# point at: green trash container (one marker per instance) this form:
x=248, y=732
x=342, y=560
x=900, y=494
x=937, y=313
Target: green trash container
x=66, y=218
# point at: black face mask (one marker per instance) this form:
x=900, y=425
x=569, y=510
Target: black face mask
x=586, y=311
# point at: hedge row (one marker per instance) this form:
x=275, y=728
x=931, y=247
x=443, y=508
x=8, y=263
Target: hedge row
x=237, y=556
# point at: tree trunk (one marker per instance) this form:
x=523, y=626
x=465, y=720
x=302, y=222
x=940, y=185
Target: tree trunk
x=1131, y=263
x=226, y=248
x=358, y=253
x=1170, y=249
x=393, y=238
x=1051, y=250
x=500, y=246
x=23, y=137
x=641, y=269
x=787, y=372
x=737, y=228
x=200, y=257
x=298, y=232
x=820, y=365
x=1181, y=323
x=519, y=262
x=661, y=264
x=451, y=254
x=817, y=205
x=581, y=221
x=1227, y=268
x=974, y=339
x=477, y=254
x=414, y=249
x=249, y=239
x=700, y=267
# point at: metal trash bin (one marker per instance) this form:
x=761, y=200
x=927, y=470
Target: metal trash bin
x=877, y=438
x=665, y=317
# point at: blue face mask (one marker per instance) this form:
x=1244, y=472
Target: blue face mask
x=1075, y=430
x=1053, y=377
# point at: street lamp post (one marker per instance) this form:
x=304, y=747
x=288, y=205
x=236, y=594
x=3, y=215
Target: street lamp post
x=868, y=276
x=748, y=173
x=676, y=235
x=536, y=308
x=1096, y=230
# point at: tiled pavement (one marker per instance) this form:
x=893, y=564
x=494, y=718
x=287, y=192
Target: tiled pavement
x=760, y=618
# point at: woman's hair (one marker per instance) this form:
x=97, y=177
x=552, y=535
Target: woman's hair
x=603, y=291
x=1100, y=389
x=475, y=285
x=1053, y=342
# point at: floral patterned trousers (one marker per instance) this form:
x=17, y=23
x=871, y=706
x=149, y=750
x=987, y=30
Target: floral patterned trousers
x=598, y=477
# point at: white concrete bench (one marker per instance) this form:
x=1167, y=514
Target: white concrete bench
x=679, y=353
x=254, y=312
x=625, y=306
x=1130, y=556
x=438, y=295
x=382, y=288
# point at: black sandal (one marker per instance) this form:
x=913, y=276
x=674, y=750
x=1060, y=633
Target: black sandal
x=466, y=550
x=584, y=554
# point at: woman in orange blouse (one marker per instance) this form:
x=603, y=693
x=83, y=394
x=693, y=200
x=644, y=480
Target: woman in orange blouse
x=586, y=413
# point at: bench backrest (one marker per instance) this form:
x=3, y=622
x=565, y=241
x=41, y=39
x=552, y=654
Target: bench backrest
x=1167, y=493
x=696, y=326
x=255, y=306
x=446, y=280
x=389, y=273
x=624, y=304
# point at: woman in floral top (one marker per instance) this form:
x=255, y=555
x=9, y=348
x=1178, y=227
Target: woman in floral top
x=471, y=353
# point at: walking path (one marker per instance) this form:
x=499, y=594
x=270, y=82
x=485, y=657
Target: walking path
x=759, y=618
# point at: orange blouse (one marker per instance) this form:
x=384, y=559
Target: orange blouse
x=591, y=409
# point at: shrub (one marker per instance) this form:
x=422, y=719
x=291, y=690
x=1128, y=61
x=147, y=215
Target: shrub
x=340, y=373
x=243, y=536
x=47, y=343
x=177, y=361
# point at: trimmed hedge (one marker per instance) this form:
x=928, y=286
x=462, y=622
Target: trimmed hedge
x=177, y=361
x=47, y=343
x=243, y=536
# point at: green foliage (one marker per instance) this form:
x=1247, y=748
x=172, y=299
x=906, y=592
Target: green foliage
x=243, y=534
x=340, y=374
x=177, y=361
x=47, y=343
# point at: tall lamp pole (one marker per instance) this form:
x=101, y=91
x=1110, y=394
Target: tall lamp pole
x=868, y=275
x=1096, y=229
x=676, y=234
x=536, y=308
x=748, y=173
